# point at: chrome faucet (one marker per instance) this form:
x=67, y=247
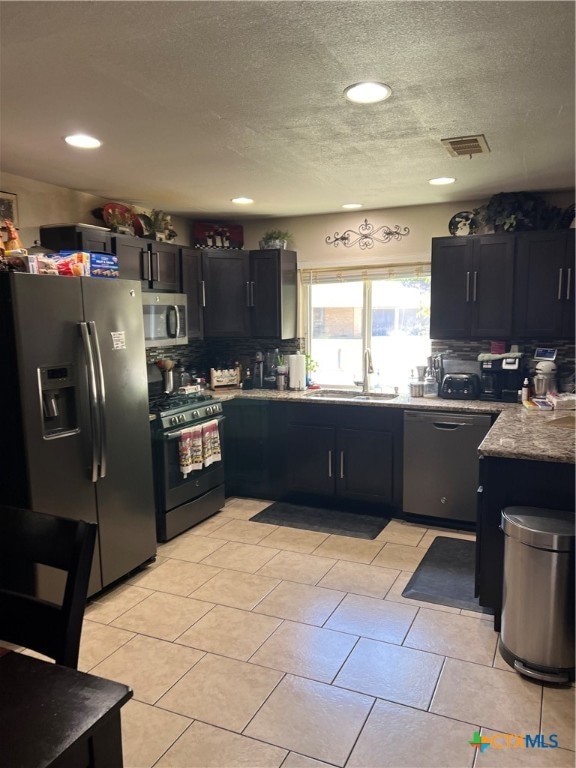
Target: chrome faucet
x=368, y=369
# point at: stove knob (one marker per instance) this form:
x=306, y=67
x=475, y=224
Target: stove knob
x=181, y=417
x=195, y=414
x=173, y=420
x=208, y=410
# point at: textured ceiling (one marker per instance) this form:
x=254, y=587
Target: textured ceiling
x=199, y=102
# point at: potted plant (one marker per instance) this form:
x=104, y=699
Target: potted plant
x=275, y=238
x=518, y=212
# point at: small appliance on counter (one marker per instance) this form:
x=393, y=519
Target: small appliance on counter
x=545, y=374
x=459, y=379
x=273, y=360
x=460, y=386
x=502, y=379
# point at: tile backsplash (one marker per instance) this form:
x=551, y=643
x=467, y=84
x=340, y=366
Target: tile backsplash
x=200, y=356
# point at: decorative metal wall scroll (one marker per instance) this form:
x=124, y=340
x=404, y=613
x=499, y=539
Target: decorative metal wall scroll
x=366, y=235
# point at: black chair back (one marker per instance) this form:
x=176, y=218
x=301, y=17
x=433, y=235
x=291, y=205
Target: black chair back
x=29, y=538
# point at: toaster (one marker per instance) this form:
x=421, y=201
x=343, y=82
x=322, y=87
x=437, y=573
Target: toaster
x=460, y=386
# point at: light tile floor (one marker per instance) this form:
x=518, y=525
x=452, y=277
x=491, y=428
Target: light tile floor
x=259, y=646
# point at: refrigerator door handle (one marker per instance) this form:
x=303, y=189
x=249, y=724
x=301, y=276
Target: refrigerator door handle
x=93, y=396
x=101, y=397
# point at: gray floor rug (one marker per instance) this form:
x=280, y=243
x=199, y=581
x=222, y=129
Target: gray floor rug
x=445, y=575
x=324, y=520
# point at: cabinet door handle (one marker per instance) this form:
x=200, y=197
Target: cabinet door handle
x=568, y=282
x=151, y=260
x=157, y=265
x=341, y=465
x=147, y=273
x=252, y=302
x=467, y=286
x=203, y=284
x=560, y=274
x=475, y=285
x=247, y=294
x=329, y=463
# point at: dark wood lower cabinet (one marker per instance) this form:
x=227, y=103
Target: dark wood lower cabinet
x=310, y=459
x=510, y=483
x=364, y=465
x=324, y=454
x=254, y=448
x=344, y=455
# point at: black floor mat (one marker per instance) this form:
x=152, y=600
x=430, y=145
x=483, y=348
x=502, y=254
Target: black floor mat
x=325, y=520
x=445, y=575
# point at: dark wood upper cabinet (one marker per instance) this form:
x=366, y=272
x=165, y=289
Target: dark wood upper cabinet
x=249, y=293
x=226, y=293
x=155, y=264
x=75, y=237
x=273, y=294
x=472, y=287
x=503, y=286
x=191, y=267
x=544, y=285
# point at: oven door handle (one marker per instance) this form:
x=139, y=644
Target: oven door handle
x=176, y=434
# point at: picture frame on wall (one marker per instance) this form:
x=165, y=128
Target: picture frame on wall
x=9, y=208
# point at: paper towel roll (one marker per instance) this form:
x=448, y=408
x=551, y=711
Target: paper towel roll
x=297, y=371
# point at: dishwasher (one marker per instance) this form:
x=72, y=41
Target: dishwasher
x=441, y=463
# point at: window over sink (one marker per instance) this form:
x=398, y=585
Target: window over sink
x=385, y=309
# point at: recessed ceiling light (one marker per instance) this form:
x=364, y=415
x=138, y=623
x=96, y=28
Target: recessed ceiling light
x=442, y=180
x=82, y=141
x=242, y=200
x=367, y=93
x=352, y=205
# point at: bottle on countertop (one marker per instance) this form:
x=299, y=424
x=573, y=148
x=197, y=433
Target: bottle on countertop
x=525, y=391
x=430, y=384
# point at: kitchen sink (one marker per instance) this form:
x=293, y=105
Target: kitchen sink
x=353, y=395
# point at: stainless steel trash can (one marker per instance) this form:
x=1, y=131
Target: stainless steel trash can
x=537, y=633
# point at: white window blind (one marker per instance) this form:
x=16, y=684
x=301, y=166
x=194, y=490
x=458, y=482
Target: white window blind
x=372, y=272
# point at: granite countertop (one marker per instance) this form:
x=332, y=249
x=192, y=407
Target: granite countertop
x=516, y=434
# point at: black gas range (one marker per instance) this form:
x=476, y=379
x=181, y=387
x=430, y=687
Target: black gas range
x=182, y=409
x=183, y=501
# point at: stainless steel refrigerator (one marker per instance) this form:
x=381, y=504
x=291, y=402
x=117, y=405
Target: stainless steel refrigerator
x=74, y=431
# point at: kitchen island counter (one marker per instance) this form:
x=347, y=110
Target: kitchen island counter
x=516, y=434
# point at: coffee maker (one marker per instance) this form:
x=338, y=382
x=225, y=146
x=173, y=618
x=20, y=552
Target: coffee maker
x=501, y=379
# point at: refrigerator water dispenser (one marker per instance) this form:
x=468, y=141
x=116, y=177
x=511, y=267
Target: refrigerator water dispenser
x=57, y=386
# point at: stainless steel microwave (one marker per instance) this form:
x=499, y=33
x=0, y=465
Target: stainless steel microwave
x=165, y=319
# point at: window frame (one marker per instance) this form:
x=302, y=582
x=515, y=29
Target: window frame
x=367, y=274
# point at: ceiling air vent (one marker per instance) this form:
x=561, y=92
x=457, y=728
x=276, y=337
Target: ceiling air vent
x=466, y=145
